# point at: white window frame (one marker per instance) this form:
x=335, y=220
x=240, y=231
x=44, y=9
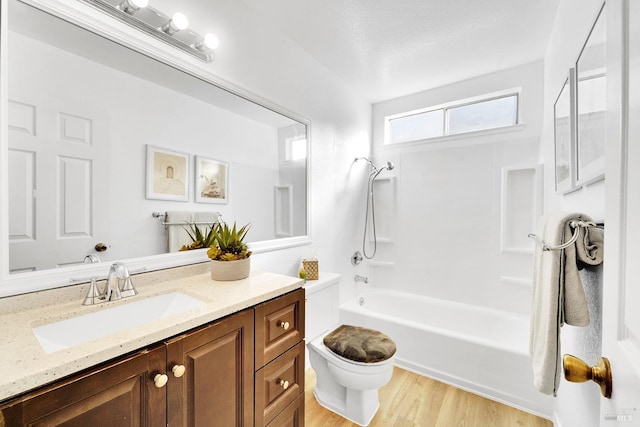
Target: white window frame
x=517, y=92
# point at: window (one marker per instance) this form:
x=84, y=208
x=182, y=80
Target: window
x=488, y=113
x=296, y=149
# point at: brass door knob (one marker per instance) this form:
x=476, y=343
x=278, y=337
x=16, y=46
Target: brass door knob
x=577, y=371
x=284, y=384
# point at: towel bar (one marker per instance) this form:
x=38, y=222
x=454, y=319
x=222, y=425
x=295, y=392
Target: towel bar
x=164, y=215
x=575, y=225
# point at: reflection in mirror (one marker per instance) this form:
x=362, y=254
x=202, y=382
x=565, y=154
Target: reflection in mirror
x=562, y=137
x=83, y=112
x=592, y=104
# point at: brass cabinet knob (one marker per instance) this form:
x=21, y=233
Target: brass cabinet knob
x=284, y=384
x=284, y=325
x=160, y=380
x=101, y=247
x=178, y=370
x=577, y=371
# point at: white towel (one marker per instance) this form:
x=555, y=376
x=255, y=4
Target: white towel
x=558, y=295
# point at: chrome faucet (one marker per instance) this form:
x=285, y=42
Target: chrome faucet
x=113, y=291
x=118, y=286
x=361, y=278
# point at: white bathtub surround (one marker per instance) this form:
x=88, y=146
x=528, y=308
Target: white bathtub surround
x=558, y=294
x=477, y=349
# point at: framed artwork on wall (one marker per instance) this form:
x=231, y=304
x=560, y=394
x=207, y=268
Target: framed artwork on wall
x=591, y=105
x=212, y=180
x=167, y=174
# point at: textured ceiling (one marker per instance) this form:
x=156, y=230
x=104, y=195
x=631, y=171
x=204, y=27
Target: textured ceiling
x=385, y=49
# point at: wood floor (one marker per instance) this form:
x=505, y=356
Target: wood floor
x=411, y=400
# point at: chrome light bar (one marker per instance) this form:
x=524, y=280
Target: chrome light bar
x=156, y=24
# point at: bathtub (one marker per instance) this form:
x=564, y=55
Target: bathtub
x=480, y=350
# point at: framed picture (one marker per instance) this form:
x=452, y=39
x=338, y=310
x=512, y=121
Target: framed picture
x=563, y=138
x=167, y=174
x=212, y=180
x=591, y=105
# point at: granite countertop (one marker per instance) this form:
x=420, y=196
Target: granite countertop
x=30, y=367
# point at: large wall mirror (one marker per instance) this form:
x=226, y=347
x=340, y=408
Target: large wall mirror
x=85, y=112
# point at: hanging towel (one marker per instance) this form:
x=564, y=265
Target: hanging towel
x=558, y=295
x=205, y=219
x=176, y=234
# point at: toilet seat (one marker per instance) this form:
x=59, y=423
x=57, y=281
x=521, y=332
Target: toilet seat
x=318, y=344
x=360, y=344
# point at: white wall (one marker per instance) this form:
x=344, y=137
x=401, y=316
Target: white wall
x=446, y=225
x=577, y=405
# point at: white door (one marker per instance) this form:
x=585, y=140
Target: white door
x=58, y=173
x=621, y=293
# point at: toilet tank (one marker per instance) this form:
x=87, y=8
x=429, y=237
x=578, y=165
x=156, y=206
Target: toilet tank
x=322, y=304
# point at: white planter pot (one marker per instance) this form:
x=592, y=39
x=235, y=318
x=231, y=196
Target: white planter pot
x=230, y=270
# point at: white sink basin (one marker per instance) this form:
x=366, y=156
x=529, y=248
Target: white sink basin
x=69, y=332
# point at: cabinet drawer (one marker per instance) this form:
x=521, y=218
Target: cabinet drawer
x=278, y=384
x=291, y=416
x=279, y=326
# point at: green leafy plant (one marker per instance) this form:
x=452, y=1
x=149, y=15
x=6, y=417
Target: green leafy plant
x=199, y=238
x=229, y=243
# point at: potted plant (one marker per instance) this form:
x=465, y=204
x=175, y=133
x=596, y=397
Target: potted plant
x=199, y=239
x=229, y=253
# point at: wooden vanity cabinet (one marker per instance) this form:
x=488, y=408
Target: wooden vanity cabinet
x=211, y=379
x=120, y=393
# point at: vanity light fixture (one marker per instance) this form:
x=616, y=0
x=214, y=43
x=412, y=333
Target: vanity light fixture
x=173, y=30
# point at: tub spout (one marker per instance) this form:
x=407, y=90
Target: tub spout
x=361, y=278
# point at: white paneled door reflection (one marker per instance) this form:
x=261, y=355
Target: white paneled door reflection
x=58, y=172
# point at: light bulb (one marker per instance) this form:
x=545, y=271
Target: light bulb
x=209, y=42
x=178, y=22
x=132, y=6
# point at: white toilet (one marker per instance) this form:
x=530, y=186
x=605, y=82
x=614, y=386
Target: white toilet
x=346, y=387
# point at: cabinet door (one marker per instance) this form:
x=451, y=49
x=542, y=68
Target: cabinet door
x=216, y=388
x=121, y=393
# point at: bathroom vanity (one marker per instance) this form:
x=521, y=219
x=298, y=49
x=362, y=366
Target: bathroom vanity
x=236, y=360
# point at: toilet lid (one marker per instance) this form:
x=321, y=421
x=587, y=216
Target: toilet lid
x=360, y=344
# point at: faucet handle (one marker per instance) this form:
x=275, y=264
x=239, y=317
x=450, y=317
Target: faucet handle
x=93, y=295
x=127, y=289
